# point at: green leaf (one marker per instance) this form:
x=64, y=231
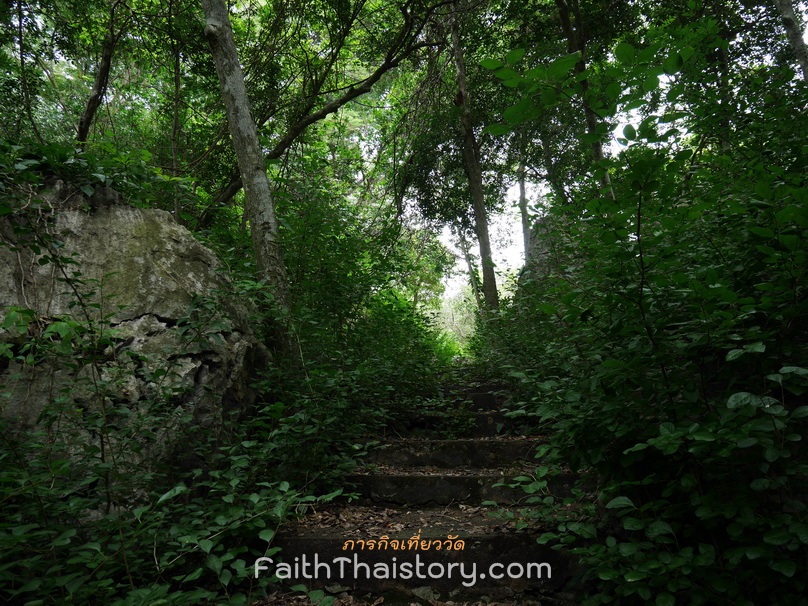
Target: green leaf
x=778, y=536
x=548, y=97
x=608, y=574
x=559, y=68
x=629, y=132
x=634, y=575
x=785, y=567
x=515, y=55
x=225, y=576
x=800, y=413
x=491, y=63
x=665, y=599
x=673, y=63
x=505, y=73
x=624, y=52
x=658, y=528
x=178, y=489
x=214, y=563
x=519, y=112
x=759, y=484
x=206, y=545
x=743, y=398
x=620, y=503
x=667, y=429
x=266, y=535
x=755, y=552
x=193, y=576
x=498, y=129
x=633, y=524
x=64, y=538
x=792, y=243
x=763, y=232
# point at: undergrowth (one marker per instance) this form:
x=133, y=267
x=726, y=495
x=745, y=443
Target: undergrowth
x=106, y=500
x=658, y=339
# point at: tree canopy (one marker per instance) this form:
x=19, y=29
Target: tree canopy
x=655, y=332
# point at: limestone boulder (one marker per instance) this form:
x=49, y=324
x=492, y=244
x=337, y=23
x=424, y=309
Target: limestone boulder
x=126, y=322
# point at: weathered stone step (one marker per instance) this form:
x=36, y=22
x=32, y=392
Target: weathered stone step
x=467, y=452
x=483, y=396
x=483, y=401
x=494, y=565
x=402, y=487
x=488, y=424
x=465, y=423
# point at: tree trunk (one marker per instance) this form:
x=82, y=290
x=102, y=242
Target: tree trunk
x=258, y=206
x=473, y=280
x=175, y=110
x=101, y=81
x=527, y=232
x=786, y=8
x=473, y=169
x=26, y=95
x=576, y=42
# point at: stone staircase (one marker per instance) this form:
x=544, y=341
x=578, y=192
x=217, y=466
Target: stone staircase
x=422, y=529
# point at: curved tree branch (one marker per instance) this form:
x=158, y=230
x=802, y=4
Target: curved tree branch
x=403, y=46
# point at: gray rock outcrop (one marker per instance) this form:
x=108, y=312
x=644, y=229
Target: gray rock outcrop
x=120, y=314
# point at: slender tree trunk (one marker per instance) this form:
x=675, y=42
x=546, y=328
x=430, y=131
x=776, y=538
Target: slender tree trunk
x=175, y=110
x=258, y=206
x=473, y=280
x=552, y=173
x=789, y=19
x=527, y=235
x=471, y=164
x=725, y=92
x=24, y=74
x=723, y=67
x=527, y=232
x=576, y=42
x=101, y=81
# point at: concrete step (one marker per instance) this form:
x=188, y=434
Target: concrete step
x=464, y=423
x=468, y=452
x=483, y=401
x=483, y=397
x=403, y=487
x=402, y=545
x=487, y=424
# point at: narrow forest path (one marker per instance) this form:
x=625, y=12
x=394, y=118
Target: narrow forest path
x=422, y=530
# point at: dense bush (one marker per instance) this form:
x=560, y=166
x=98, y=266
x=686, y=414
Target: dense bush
x=661, y=341
x=98, y=522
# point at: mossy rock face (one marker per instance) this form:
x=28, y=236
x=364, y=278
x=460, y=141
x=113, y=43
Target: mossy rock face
x=136, y=274
x=140, y=259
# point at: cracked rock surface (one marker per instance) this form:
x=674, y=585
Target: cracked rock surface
x=135, y=274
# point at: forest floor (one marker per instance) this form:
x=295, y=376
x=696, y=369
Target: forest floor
x=435, y=480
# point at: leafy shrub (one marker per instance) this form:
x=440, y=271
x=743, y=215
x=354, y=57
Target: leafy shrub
x=660, y=343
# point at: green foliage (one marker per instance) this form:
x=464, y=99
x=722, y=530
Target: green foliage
x=192, y=544
x=109, y=501
x=31, y=169
x=92, y=515
x=658, y=340
x=186, y=532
